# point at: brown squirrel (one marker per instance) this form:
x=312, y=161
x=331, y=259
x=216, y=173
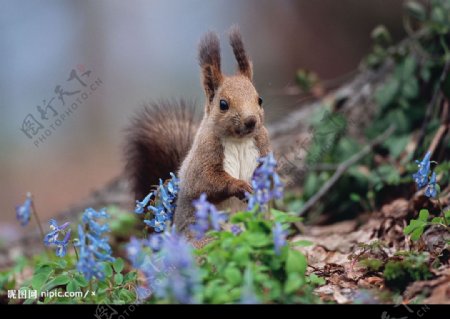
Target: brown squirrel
x=220, y=156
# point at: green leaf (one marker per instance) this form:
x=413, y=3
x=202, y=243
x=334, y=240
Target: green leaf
x=39, y=280
x=293, y=283
x=413, y=225
x=355, y=197
x=242, y=255
x=21, y=262
x=60, y=280
x=108, y=270
x=58, y=264
x=438, y=14
x=410, y=88
x=387, y=93
x=241, y=217
x=415, y=10
x=118, y=265
x=296, y=262
x=284, y=217
x=127, y=295
x=381, y=35
x=29, y=301
x=258, y=239
x=43, y=269
x=408, y=67
x=131, y=276
x=423, y=215
x=447, y=214
x=316, y=280
x=397, y=144
x=72, y=286
x=301, y=243
x=118, y=279
x=80, y=280
x=437, y=220
x=233, y=275
x=415, y=228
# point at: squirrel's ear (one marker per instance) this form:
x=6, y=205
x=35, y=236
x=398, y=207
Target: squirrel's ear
x=209, y=58
x=244, y=64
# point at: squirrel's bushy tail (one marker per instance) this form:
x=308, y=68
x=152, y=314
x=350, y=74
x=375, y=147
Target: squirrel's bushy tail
x=157, y=140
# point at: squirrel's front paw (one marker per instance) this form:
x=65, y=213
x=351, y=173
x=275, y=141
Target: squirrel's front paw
x=239, y=188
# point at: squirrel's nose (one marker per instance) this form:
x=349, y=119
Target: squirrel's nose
x=250, y=122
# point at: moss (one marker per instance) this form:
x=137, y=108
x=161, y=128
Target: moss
x=372, y=264
x=399, y=273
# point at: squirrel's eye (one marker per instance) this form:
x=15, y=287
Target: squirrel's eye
x=260, y=101
x=224, y=105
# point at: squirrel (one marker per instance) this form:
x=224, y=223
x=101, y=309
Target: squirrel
x=216, y=156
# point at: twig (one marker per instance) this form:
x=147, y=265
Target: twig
x=343, y=167
x=437, y=138
x=430, y=107
x=38, y=221
x=442, y=130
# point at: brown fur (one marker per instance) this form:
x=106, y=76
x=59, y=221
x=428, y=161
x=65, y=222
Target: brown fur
x=202, y=170
x=209, y=59
x=244, y=64
x=158, y=139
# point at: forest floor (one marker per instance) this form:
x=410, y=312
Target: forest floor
x=339, y=251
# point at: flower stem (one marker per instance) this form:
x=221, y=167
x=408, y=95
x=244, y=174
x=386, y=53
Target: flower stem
x=76, y=252
x=91, y=290
x=442, y=212
x=38, y=221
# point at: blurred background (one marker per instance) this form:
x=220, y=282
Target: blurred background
x=138, y=51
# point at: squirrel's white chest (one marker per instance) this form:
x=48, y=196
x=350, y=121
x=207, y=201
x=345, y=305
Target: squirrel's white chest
x=240, y=157
x=240, y=161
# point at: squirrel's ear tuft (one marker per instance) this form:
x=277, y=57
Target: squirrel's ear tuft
x=209, y=58
x=244, y=63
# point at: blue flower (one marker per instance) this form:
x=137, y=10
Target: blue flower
x=140, y=206
x=23, y=212
x=172, y=273
x=236, y=229
x=143, y=293
x=61, y=246
x=134, y=250
x=94, y=246
x=266, y=183
x=163, y=205
x=88, y=264
x=278, y=187
x=206, y=215
x=431, y=191
x=155, y=242
x=158, y=223
x=200, y=227
x=160, y=213
x=421, y=176
x=89, y=218
x=173, y=185
x=279, y=237
x=51, y=238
